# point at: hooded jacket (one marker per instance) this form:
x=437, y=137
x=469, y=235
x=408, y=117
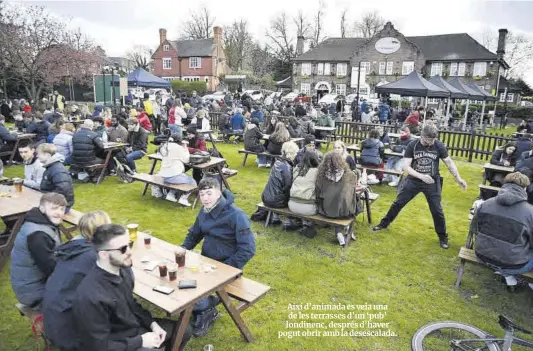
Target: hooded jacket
x=174, y=157
x=325, y=121
x=372, y=153
x=144, y=121
x=226, y=231
x=33, y=173
x=238, y=122
x=57, y=179
x=32, y=257
x=336, y=195
x=252, y=139
x=504, y=228
x=74, y=260
x=63, y=143
x=85, y=145
x=40, y=128
x=277, y=189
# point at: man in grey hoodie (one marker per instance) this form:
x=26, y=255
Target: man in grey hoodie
x=33, y=168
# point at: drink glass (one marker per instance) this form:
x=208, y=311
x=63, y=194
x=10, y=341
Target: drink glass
x=193, y=261
x=172, y=272
x=162, y=269
x=180, y=256
x=147, y=240
x=132, y=230
x=17, y=182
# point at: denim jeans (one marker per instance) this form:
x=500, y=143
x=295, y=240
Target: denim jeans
x=180, y=179
x=396, y=164
x=131, y=157
x=524, y=269
x=174, y=128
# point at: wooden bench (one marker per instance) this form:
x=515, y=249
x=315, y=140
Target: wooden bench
x=372, y=169
x=73, y=218
x=36, y=323
x=247, y=291
x=466, y=254
x=90, y=170
x=488, y=191
x=246, y=153
x=152, y=179
x=347, y=224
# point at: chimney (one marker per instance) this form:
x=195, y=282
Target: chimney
x=501, y=42
x=217, y=35
x=300, y=45
x=162, y=35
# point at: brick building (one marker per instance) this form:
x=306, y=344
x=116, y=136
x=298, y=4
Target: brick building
x=390, y=55
x=191, y=60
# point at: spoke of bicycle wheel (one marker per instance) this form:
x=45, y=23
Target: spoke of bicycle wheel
x=441, y=340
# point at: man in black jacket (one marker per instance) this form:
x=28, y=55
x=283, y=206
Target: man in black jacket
x=39, y=127
x=106, y=315
x=56, y=178
x=7, y=140
x=86, y=144
x=138, y=140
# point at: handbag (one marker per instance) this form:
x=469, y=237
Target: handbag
x=199, y=157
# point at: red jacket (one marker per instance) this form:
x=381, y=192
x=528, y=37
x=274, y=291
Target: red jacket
x=171, y=116
x=27, y=108
x=144, y=121
x=200, y=145
x=413, y=119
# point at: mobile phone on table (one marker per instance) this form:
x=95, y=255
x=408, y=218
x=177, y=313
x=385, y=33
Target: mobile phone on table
x=187, y=284
x=163, y=289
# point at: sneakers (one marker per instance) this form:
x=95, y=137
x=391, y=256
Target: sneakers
x=340, y=238
x=443, y=241
x=393, y=184
x=171, y=197
x=379, y=227
x=261, y=165
x=156, y=192
x=184, y=200
x=204, y=321
x=372, y=180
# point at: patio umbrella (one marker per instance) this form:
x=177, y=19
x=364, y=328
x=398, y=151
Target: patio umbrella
x=472, y=95
x=454, y=92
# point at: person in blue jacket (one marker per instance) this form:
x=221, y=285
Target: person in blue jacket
x=257, y=113
x=238, y=123
x=74, y=260
x=384, y=111
x=228, y=238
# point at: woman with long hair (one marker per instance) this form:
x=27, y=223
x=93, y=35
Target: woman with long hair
x=275, y=142
x=270, y=124
x=340, y=147
x=336, y=190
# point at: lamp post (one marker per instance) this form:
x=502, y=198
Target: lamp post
x=103, y=75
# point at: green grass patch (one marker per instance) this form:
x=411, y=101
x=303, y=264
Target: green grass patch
x=402, y=267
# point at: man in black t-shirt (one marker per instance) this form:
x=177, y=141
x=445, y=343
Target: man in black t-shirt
x=421, y=162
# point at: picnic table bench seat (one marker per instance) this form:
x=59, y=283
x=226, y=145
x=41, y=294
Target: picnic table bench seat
x=152, y=179
x=347, y=224
x=466, y=254
x=247, y=291
x=246, y=153
x=73, y=218
x=488, y=191
x=382, y=170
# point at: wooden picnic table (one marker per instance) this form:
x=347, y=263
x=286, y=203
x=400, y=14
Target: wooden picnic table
x=330, y=131
x=489, y=167
x=211, y=277
x=296, y=140
x=211, y=139
x=109, y=147
x=214, y=163
x=13, y=152
x=397, y=136
x=388, y=152
x=14, y=208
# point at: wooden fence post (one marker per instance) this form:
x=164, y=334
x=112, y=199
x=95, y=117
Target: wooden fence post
x=471, y=145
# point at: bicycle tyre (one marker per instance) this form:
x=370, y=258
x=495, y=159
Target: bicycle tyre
x=420, y=334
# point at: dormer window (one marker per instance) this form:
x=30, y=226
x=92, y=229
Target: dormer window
x=166, y=47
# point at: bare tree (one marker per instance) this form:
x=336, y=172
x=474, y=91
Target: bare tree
x=489, y=39
x=261, y=60
x=369, y=25
x=199, y=26
x=237, y=44
x=518, y=54
x=344, y=23
x=281, y=43
x=303, y=27
x=140, y=56
x=318, y=25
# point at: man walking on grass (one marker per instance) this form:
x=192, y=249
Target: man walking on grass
x=421, y=162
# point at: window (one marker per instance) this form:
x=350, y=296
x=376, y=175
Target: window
x=305, y=88
x=382, y=68
x=389, y=67
x=191, y=79
x=366, y=66
x=510, y=97
x=462, y=69
x=195, y=62
x=340, y=89
x=436, y=69
x=306, y=69
x=167, y=63
x=165, y=47
x=341, y=69
x=480, y=69
x=320, y=69
x=453, y=69
x=327, y=69
x=408, y=67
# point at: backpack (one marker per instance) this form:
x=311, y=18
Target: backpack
x=124, y=172
x=199, y=157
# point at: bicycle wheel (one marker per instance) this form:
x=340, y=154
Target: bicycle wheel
x=437, y=337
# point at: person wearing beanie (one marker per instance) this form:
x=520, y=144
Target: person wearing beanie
x=310, y=142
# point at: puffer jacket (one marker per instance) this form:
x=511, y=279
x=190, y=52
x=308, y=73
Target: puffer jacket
x=63, y=143
x=40, y=128
x=504, y=228
x=86, y=144
x=252, y=139
x=277, y=190
x=372, y=153
x=57, y=179
x=303, y=187
x=336, y=196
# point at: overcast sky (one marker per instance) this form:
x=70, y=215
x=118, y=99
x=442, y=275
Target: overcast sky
x=119, y=25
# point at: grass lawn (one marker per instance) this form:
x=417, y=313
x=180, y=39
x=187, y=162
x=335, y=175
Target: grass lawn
x=402, y=267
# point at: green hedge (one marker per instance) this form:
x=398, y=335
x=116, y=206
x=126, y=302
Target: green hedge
x=189, y=87
x=404, y=103
x=514, y=110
